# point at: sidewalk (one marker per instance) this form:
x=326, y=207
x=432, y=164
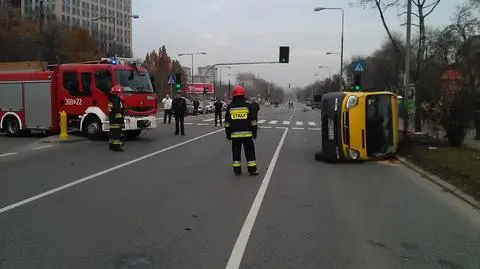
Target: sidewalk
x=440, y=134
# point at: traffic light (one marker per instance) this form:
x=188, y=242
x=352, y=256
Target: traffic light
x=178, y=81
x=284, y=55
x=357, y=82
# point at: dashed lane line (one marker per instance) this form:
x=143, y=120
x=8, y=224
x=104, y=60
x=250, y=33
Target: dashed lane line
x=286, y=122
x=297, y=128
x=42, y=147
x=98, y=174
x=8, y=154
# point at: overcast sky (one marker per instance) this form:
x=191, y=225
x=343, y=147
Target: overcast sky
x=252, y=30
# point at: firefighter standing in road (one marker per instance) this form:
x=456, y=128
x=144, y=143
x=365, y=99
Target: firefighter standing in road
x=218, y=111
x=115, y=117
x=241, y=129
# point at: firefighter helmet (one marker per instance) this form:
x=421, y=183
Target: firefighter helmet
x=116, y=89
x=238, y=91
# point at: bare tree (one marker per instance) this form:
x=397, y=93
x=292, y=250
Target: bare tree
x=381, y=7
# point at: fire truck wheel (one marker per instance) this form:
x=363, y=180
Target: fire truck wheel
x=132, y=134
x=11, y=126
x=92, y=128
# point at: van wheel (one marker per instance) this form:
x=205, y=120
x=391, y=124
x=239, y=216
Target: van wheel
x=132, y=134
x=92, y=128
x=12, y=126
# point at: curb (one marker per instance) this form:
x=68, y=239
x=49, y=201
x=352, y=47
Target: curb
x=441, y=183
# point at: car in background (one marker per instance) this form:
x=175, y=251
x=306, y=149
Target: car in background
x=190, y=107
x=267, y=103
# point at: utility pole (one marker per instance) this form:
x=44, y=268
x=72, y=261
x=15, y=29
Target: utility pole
x=407, y=68
x=42, y=22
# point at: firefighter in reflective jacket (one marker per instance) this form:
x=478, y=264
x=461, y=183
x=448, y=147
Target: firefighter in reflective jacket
x=241, y=128
x=115, y=117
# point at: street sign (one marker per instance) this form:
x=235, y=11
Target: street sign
x=359, y=66
x=171, y=80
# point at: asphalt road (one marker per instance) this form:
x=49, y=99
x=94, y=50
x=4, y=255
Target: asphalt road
x=172, y=202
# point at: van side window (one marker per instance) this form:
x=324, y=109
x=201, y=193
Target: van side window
x=70, y=83
x=86, y=83
x=103, y=80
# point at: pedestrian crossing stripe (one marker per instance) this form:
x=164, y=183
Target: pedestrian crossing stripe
x=211, y=119
x=261, y=121
x=299, y=122
x=273, y=122
x=286, y=122
x=311, y=123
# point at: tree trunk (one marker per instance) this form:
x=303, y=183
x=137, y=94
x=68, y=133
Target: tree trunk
x=476, y=120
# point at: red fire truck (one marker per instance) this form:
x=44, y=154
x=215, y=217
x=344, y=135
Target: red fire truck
x=32, y=95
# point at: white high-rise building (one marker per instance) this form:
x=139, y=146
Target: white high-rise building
x=109, y=21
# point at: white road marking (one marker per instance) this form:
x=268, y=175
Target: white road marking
x=279, y=127
x=299, y=122
x=188, y=123
x=311, y=123
x=261, y=121
x=7, y=154
x=286, y=122
x=203, y=124
x=159, y=118
x=106, y=171
x=315, y=129
x=293, y=112
x=297, y=128
x=42, y=147
x=273, y=122
x=266, y=127
x=211, y=119
x=242, y=240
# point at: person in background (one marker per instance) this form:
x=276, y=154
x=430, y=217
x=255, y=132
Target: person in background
x=167, y=109
x=241, y=129
x=196, y=104
x=218, y=111
x=179, y=108
x=115, y=117
x=256, y=108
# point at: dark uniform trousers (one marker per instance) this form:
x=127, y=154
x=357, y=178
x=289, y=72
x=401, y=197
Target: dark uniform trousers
x=218, y=115
x=242, y=132
x=116, y=121
x=249, y=148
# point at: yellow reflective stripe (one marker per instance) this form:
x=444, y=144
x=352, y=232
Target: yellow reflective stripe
x=118, y=115
x=236, y=164
x=254, y=122
x=115, y=142
x=251, y=163
x=242, y=109
x=241, y=134
x=114, y=126
x=226, y=124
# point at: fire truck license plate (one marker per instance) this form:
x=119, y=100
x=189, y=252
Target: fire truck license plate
x=331, y=131
x=238, y=115
x=73, y=102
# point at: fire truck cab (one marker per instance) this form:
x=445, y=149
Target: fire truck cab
x=32, y=95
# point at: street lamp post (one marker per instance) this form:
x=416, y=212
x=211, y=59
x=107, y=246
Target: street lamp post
x=343, y=30
x=220, y=71
x=114, y=29
x=192, y=54
x=329, y=76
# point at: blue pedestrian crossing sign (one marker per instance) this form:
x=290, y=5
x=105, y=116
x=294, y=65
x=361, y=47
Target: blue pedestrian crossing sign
x=171, y=80
x=359, y=66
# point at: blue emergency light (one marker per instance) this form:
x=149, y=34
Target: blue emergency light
x=113, y=60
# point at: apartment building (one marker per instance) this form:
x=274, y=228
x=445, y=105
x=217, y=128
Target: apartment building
x=109, y=21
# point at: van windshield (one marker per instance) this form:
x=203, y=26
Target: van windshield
x=379, y=125
x=134, y=81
